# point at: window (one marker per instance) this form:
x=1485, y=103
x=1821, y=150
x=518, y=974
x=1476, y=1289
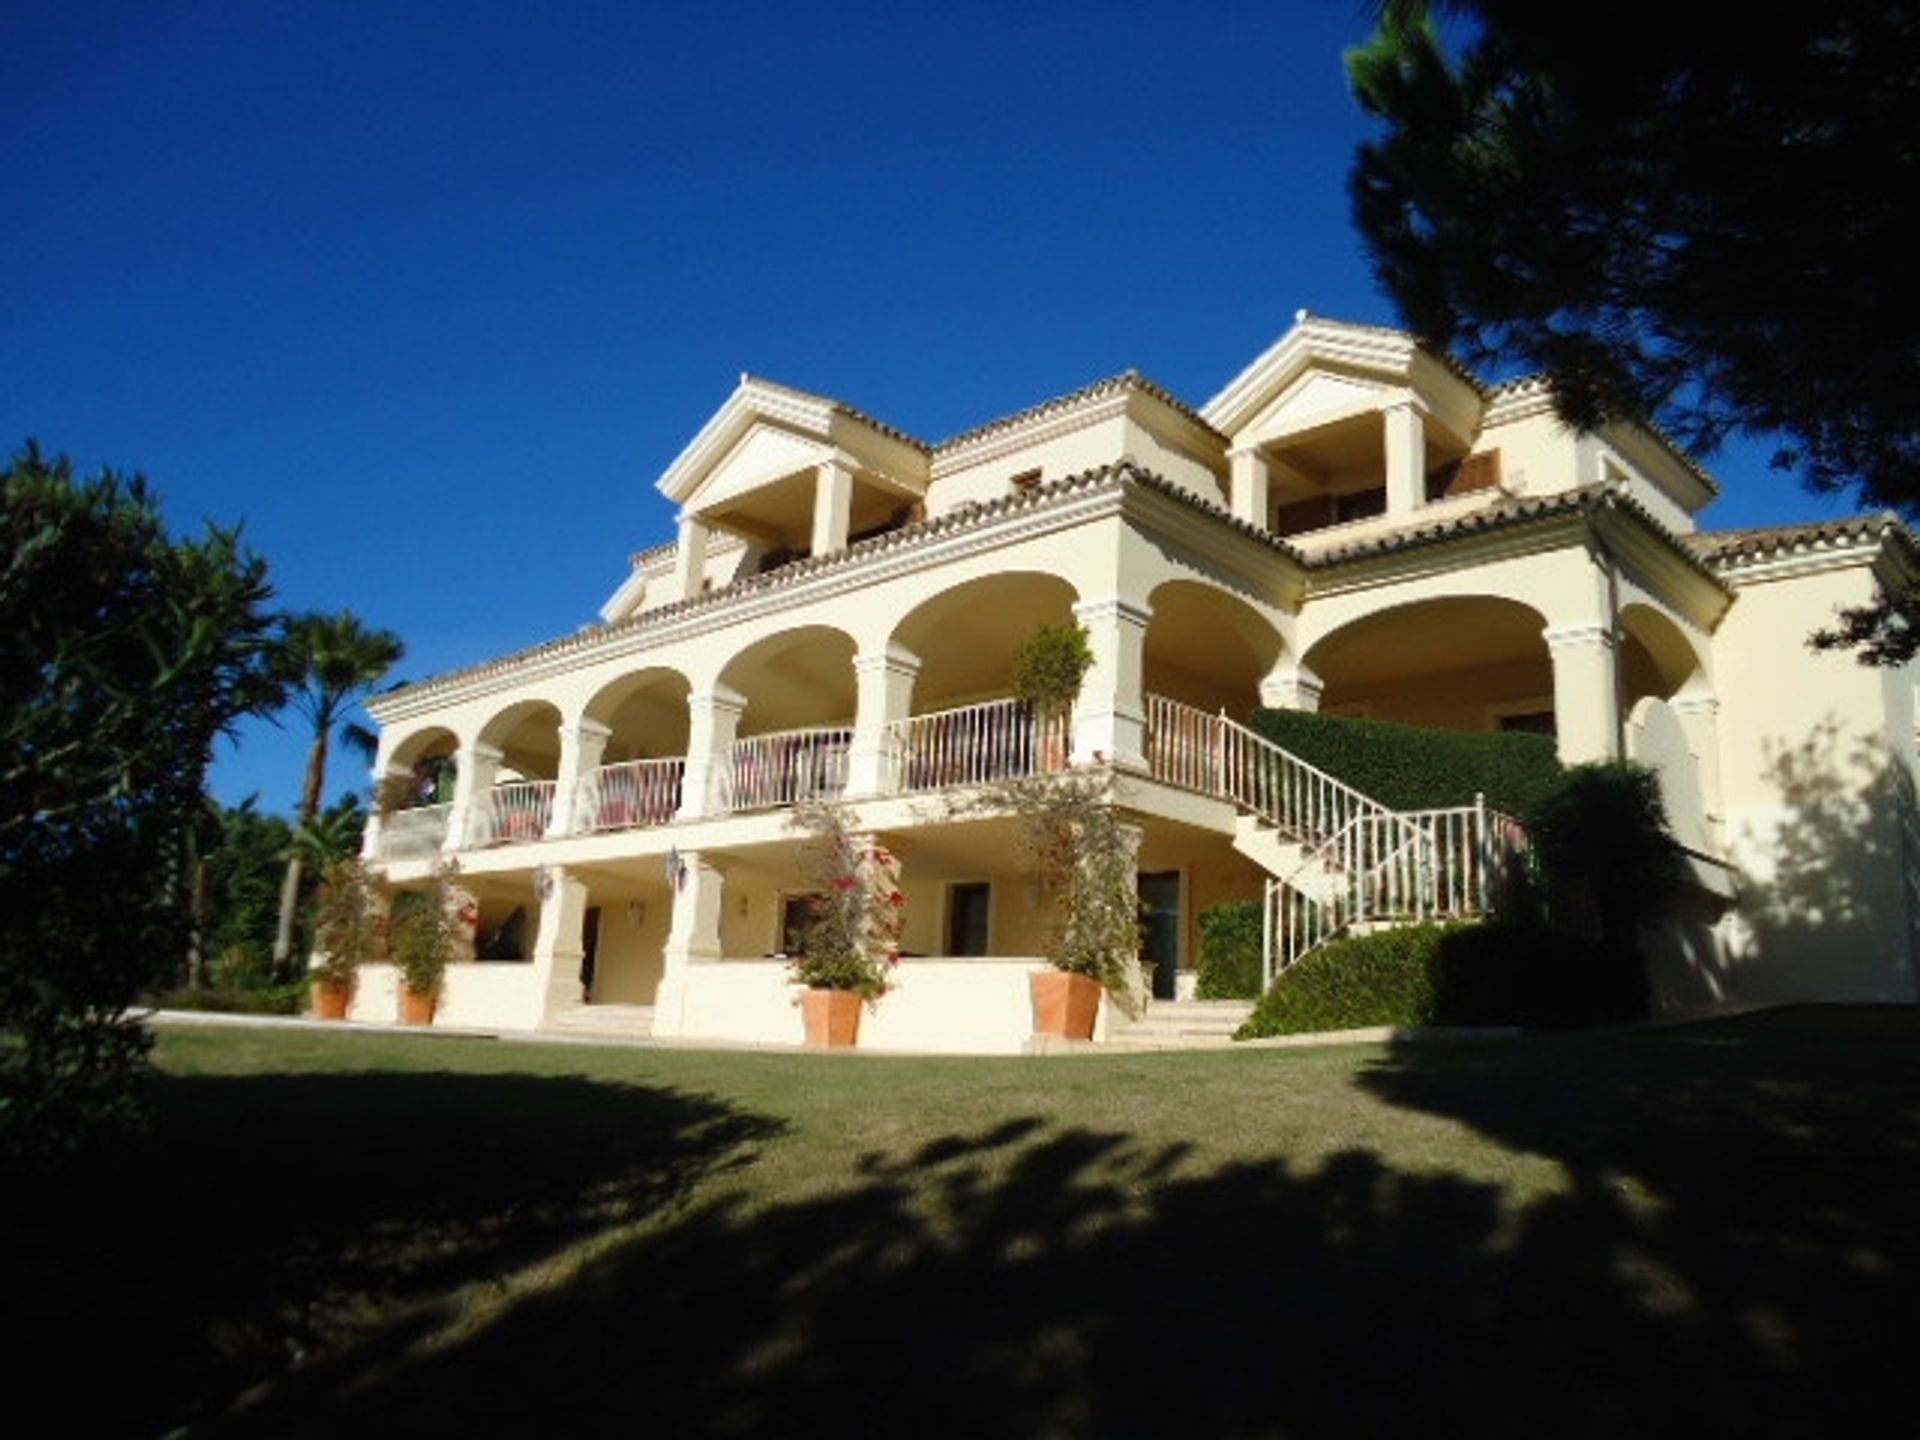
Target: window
x=796, y=920
x=968, y=909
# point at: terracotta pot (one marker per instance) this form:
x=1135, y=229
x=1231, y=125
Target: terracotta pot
x=1065, y=1004
x=415, y=1008
x=330, y=1001
x=833, y=1017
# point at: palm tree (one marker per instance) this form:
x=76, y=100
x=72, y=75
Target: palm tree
x=330, y=662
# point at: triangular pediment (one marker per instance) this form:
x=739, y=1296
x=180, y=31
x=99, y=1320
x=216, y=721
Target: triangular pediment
x=757, y=459
x=1324, y=371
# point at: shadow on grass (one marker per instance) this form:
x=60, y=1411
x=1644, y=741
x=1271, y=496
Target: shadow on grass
x=282, y=1217
x=1734, y=1253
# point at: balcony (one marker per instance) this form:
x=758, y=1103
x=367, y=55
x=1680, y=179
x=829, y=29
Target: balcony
x=975, y=745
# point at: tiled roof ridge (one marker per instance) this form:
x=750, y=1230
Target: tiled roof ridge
x=1127, y=380
x=960, y=518
x=852, y=412
x=1750, y=544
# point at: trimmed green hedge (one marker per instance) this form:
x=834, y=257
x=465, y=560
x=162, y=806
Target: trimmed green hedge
x=1230, y=951
x=1460, y=974
x=235, y=1000
x=1406, y=767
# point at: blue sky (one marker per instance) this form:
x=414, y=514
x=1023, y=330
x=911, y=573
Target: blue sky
x=429, y=295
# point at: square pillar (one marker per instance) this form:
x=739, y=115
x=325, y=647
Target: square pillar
x=475, y=769
x=699, y=890
x=713, y=719
x=559, y=940
x=1700, y=720
x=1248, y=486
x=1406, y=447
x=382, y=776
x=1297, y=688
x=885, y=680
x=1586, y=691
x=582, y=744
x=690, y=557
x=1110, y=720
x=832, y=506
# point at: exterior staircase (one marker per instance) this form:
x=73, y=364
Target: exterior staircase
x=1338, y=860
x=604, y=1022
x=1180, y=1025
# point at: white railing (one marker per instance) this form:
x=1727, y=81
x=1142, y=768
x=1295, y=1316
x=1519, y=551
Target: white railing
x=620, y=797
x=510, y=814
x=1190, y=748
x=1416, y=865
x=419, y=830
x=975, y=745
x=785, y=768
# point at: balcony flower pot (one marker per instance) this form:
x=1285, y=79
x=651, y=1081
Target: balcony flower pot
x=1065, y=1004
x=416, y=1007
x=833, y=1017
x=330, y=1001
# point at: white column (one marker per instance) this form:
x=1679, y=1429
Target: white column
x=1110, y=720
x=714, y=717
x=1700, y=719
x=1297, y=688
x=1248, y=486
x=582, y=745
x=885, y=681
x=474, y=771
x=832, y=506
x=1586, y=691
x=690, y=557
x=559, y=940
x=699, y=890
x=1406, y=448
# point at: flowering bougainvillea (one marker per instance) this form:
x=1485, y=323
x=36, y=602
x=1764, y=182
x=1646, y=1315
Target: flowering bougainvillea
x=852, y=941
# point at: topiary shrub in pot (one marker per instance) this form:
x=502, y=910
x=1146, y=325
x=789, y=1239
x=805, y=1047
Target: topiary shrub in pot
x=348, y=931
x=1047, y=673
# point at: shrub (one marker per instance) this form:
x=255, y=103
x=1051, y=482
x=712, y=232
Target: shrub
x=1407, y=767
x=1230, y=960
x=1048, y=668
x=422, y=936
x=1380, y=979
x=256, y=1000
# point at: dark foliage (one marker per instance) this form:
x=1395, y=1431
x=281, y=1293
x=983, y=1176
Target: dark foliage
x=1676, y=212
x=126, y=653
x=1230, y=938
x=1406, y=767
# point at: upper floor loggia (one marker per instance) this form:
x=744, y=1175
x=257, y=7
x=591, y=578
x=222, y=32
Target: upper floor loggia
x=1335, y=433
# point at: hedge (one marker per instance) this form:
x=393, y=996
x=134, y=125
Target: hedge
x=1407, y=767
x=1230, y=960
x=1460, y=974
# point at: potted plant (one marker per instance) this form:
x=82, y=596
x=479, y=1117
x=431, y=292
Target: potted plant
x=423, y=939
x=1086, y=865
x=1047, y=673
x=348, y=932
x=852, y=942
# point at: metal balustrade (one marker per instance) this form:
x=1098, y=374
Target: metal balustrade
x=628, y=795
x=510, y=814
x=785, y=768
x=976, y=745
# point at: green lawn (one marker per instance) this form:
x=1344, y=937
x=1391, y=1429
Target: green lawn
x=1702, y=1230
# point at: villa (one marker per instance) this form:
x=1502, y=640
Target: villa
x=1352, y=524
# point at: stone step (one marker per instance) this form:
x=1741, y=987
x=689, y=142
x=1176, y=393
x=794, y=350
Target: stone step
x=604, y=1020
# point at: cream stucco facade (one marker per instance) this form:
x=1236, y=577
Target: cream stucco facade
x=1352, y=523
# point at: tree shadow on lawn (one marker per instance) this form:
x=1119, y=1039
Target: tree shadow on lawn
x=1734, y=1254
x=279, y=1217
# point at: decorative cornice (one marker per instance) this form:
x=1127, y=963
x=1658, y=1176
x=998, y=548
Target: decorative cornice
x=1773, y=552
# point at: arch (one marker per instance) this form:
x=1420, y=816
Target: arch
x=422, y=764
x=965, y=637
x=527, y=735
x=1657, y=657
x=1208, y=647
x=646, y=713
x=793, y=679
x=1463, y=662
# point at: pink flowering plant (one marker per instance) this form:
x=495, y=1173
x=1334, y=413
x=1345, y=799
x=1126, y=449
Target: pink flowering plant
x=853, y=939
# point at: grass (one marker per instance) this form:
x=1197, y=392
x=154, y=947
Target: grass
x=1708, y=1229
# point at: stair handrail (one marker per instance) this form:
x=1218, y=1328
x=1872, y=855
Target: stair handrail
x=1291, y=930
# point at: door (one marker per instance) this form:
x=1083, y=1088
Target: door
x=589, y=950
x=1160, y=930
